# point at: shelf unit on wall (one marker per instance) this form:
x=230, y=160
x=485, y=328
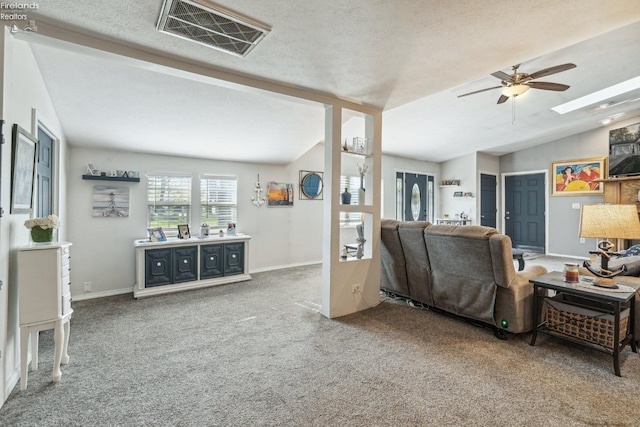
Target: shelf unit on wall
x=110, y=178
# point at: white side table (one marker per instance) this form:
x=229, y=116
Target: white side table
x=31, y=332
x=44, y=295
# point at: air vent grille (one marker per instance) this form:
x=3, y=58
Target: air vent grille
x=210, y=26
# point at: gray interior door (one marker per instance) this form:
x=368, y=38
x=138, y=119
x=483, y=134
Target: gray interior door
x=488, y=209
x=44, y=173
x=524, y=211
x=415, y=197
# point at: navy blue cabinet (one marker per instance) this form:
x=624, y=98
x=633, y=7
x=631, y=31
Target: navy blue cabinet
x=181, y=264
x=211, y=261
x=158, y=267
x=185, y=264
x=233, y=258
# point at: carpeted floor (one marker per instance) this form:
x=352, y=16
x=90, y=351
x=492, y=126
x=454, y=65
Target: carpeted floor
x=259, y=353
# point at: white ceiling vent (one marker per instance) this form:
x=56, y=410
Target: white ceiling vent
x=211, y=26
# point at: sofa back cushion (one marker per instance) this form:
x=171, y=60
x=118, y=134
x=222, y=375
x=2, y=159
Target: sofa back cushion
x=417, y=260
x=393, y=274
x=463, y=280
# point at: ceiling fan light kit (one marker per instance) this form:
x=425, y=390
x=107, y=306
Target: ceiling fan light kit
x=516, y=84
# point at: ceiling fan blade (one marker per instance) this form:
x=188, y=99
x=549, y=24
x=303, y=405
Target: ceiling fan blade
x=548, y=86
x=551, y=70
x=502, y=76
x=478, y=91
x=502, y=99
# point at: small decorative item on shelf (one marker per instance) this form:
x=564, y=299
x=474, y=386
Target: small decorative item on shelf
x=457, y=194
x=204, y=230
x=183, y=231
x=346, y=197
x=231, y=229
x=360, y=240
x=359, y=145
x=156, y=234
x=91, y=170
x=344, y=147
x=468, y=194
x=362, y=170
x=221, y=233
x=42, y=228
x=343, y=253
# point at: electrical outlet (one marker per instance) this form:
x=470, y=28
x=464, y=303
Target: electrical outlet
x=582, y=240
x=356, y=289
x=87, y=286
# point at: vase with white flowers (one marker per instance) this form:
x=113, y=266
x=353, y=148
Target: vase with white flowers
x=362, y=170
x=42, y=228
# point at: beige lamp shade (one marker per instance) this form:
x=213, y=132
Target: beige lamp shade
x=609, y=222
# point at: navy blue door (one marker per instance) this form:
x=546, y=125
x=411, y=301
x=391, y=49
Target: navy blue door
x=415, y=197
x=524, y=211
x=488, y=200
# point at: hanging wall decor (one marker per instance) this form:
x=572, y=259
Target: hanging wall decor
x=279, y=194
x=110, y=201
x=258, y=200
x=311, y=185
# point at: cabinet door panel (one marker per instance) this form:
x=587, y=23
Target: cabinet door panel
x=157, y=267
x=233, y=258
x=185, y=264
x=211, y=261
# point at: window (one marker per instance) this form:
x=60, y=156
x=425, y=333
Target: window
x=168, y=201
x=218, y=200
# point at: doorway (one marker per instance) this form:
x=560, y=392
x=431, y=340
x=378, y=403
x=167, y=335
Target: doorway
x=414, y=197
x=524, y=211
x=488, y=202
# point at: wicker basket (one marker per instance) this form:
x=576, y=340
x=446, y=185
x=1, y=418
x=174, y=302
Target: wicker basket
x=585, y=324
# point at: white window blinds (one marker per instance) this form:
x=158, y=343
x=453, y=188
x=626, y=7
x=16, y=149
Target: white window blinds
x=168, y=201
x=218, y=200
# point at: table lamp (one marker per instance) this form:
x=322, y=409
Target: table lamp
x=608, y=222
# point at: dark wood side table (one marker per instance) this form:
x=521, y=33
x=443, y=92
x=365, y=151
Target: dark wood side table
x=590, y=298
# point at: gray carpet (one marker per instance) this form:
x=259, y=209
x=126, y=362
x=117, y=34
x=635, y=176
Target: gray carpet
x=258, y=353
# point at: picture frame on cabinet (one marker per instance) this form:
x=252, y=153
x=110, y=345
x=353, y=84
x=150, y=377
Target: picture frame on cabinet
x=231, y=229
x=23, y=161
x=156, y=234
x=183, y=231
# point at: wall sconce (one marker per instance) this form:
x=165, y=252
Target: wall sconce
x=258, y=200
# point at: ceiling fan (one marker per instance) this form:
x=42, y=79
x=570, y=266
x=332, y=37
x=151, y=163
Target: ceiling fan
x=518, y=83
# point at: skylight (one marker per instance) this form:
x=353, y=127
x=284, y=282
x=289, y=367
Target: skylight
x=599, y=96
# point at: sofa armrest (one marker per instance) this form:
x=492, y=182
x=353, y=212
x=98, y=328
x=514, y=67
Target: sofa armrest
x=532, y=271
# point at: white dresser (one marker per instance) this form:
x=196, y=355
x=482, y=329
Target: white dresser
x=44, y=294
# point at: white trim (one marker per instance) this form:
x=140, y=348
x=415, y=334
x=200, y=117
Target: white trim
x=282, y=267
x=93, y=295
x=37, y=124
x=546, y=200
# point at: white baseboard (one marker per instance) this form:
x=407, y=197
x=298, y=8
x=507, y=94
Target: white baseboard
x=92, y=295
x=568, y=256
x=281, y=267
x=12, y=381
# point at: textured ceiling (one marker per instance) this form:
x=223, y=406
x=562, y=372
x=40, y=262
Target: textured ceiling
x=411, y=58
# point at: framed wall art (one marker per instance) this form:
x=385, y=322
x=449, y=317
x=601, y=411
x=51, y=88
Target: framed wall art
x=109, y=201
x=578, y=177
x=279, y=194
x=311, y=185
x=23, y=161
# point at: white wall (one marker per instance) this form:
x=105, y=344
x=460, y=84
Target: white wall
x=563, y=220
x=103, y=253
x=463, y=168
x=23, y=90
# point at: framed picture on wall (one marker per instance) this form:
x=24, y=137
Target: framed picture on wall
x=578, y=177
x=279, y=194
x=23, y=163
